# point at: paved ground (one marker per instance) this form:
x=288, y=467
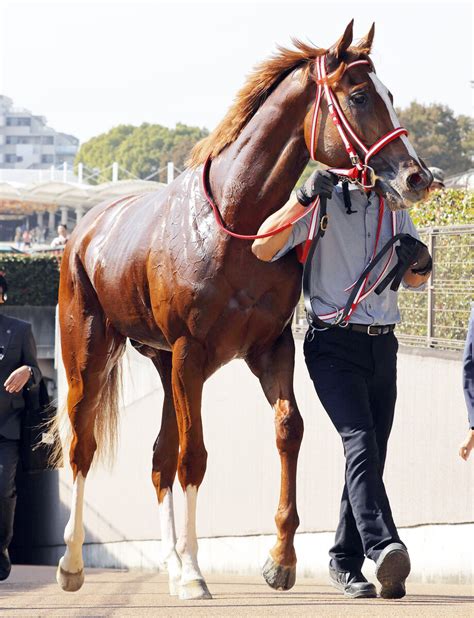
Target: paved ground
x=32, y=591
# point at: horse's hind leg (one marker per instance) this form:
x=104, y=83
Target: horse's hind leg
x=91, y=349
x=187, y=380
x=165, y=461
x=274, y=368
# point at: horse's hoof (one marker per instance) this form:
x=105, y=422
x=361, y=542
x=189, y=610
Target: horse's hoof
x=194, y=590
x=69, y=582
x=173, y=585
x=278, y=576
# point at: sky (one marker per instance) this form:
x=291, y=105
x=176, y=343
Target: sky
x=92, y=64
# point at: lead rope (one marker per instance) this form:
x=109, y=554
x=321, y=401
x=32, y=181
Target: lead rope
x=359, y=174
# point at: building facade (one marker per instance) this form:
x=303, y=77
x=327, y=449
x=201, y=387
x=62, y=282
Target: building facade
x=27, y=142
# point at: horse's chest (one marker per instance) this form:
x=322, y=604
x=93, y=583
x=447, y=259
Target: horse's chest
x=249, y=316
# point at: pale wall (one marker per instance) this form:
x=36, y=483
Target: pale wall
x=426, y=480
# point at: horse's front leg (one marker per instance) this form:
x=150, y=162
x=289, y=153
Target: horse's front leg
x=187, y=381
x=274, y=368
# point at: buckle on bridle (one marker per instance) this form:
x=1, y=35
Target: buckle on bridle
x=323, y=224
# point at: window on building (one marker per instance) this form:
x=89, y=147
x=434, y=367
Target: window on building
x=47, y=139
x=12, y=121
x=10, y=158
x=46, y=158
x=22, y=139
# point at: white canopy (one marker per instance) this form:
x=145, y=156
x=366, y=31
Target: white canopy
x=52, y=194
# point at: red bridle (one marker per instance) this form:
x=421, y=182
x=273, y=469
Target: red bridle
x=359, y=172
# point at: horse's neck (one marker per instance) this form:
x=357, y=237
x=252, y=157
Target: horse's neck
x=254, y=176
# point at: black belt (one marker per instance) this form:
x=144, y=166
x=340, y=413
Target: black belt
x=370, y=329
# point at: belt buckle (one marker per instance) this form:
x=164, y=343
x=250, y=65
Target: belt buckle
x=373, y=334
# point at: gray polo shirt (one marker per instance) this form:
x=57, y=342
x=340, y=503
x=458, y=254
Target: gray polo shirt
x=345, y=251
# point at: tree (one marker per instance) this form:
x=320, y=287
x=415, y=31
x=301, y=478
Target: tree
x=142, y=150
x=441, y=139
x=446, y=207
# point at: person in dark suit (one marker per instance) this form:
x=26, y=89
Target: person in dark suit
x=18, y=368
x=468, y=386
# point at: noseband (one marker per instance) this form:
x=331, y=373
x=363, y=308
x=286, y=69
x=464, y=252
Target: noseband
x=361, y=173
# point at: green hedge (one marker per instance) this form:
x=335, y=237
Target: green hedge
x=32, y=279
x=448, y=207
x=453, y=267
x=452, y=291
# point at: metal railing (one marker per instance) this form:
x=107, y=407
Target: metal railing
x=438, y=316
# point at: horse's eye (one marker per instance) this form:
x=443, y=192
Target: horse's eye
x=358, y=98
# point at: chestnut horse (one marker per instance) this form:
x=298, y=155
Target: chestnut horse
x=157, y=270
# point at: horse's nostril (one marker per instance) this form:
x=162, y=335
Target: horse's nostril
x=417, y=181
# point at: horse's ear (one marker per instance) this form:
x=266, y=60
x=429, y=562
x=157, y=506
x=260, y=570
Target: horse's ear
x=365, y=44
x=344, y=42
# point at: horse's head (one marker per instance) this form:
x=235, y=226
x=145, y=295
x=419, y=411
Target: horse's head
x=367, y=105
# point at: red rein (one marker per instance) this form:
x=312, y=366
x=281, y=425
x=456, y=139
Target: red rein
x=220, y=220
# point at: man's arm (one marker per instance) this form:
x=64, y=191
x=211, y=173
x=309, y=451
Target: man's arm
x=29, y=356
x=28, y=373
x=319, y=183
x=413, y=280
x=420, y=271
x=266, y=248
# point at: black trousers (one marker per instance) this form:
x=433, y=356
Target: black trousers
x=9, y=456
x=355, y=376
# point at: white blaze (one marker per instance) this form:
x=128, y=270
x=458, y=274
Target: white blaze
x=382, y=91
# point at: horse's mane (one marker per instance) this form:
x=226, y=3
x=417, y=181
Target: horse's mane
x=259, y=85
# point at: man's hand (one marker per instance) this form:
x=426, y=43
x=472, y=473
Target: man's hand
x=319, y=183
x=423, y=263
x=419, y=270
x=17, y=379
x=467, y=446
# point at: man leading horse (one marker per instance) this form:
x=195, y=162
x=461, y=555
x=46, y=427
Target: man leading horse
x=174, y=273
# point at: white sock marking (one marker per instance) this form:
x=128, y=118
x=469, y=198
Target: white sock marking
x=74, y=532
x=187, y=544
x=168, y=539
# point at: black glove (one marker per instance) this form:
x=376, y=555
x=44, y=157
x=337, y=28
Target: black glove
x=319, y=183
x=410, y=252
x=407, y=252
x=423, y=263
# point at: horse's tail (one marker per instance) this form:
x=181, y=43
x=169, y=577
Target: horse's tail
x=106, y=428
x=75, y=291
